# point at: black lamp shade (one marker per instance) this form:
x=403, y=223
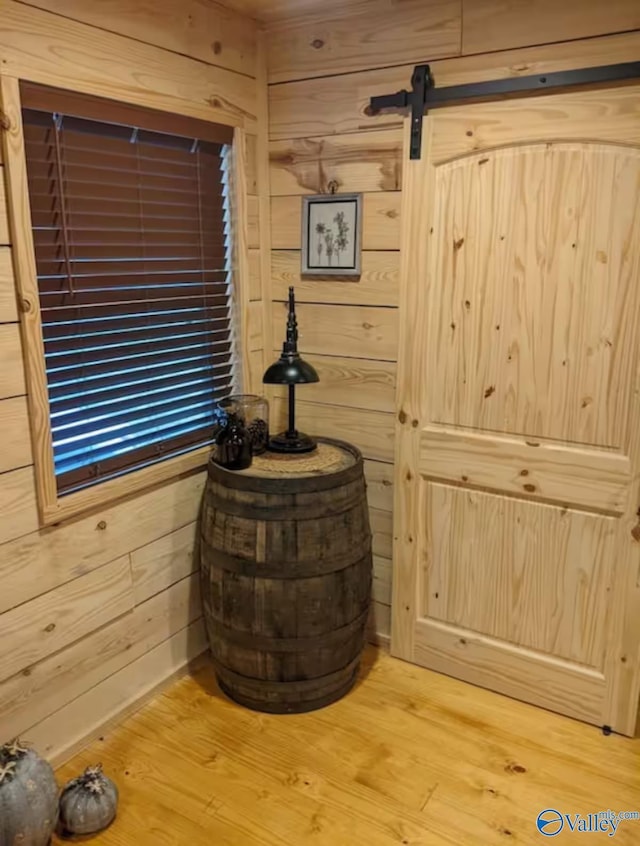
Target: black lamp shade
x=290, y=370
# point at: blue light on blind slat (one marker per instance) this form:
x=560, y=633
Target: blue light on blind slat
x=133, y=410
x=187, y=411
x=137, y=356
x=87, y=406
x=114, y=443
x=127, y=344
x=65, y=466
x=143, y=368
x=155, y=327
x=136, y=315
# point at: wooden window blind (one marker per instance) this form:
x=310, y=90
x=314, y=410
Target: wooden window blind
x=130, y=225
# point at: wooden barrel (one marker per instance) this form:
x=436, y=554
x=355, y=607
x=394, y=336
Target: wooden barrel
x=286, y=577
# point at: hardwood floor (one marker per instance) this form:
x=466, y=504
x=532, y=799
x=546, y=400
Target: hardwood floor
x=409, y=757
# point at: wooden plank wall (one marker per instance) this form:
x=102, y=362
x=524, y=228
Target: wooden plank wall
x=322, y=71
x=97, y=612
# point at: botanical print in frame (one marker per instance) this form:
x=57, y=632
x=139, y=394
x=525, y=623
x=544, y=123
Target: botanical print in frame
x=331, y=234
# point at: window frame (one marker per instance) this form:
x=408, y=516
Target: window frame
x=52, y=507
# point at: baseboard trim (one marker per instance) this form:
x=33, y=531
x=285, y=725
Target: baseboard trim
x=69, y=730
x=65, y=732
x=382, y=641
x=98, y=731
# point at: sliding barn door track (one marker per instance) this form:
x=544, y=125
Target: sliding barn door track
x=424, y=95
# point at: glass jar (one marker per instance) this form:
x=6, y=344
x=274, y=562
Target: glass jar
x=253, y=411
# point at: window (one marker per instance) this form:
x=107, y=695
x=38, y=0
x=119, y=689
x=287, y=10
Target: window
x=130, y=226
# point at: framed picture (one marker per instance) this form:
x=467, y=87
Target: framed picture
x=331, y=234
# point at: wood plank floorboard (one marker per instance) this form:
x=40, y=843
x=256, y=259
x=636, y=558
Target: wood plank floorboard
x=409, y=757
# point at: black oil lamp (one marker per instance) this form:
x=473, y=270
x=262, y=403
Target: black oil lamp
x=291, y=370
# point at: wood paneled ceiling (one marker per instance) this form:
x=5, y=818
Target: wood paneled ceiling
x=292, y=11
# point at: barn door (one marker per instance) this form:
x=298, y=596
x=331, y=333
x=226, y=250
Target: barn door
x=517, y=551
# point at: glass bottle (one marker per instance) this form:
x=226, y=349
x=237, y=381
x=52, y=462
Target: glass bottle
x=233, y=445
x=253, y=411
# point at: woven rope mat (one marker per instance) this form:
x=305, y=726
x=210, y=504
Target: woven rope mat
x=327, y=458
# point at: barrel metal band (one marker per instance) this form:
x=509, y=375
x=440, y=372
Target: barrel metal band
x=312, y=685
x=222, y=560
x=248, y=640
x=284, y=512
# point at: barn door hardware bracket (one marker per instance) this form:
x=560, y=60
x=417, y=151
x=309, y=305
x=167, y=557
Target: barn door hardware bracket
x=421, y=82
x=424, y=96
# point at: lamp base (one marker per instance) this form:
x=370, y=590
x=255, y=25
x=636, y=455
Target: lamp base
x=291, y=442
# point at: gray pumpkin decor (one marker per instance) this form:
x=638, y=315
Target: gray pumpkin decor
x=88, y=803
x=28, y=797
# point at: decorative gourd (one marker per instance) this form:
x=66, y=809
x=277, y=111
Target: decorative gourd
x=28, y=797
x=88, y=803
